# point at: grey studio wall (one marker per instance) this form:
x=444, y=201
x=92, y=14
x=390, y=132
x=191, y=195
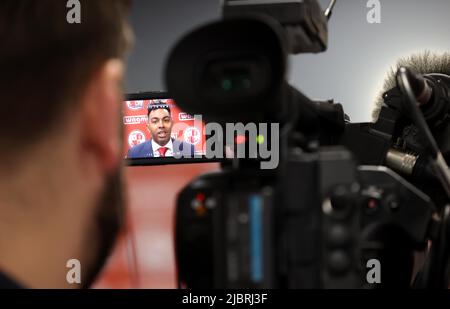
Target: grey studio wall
x=351, y=71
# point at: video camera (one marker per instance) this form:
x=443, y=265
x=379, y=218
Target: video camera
x=349, y=204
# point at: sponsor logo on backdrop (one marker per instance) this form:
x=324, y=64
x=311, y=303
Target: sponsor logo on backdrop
x=185, y=117
x=131, y=120
x=192, y=135
x=136, y=137
x=135, y=105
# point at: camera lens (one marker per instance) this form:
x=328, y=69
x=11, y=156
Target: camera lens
x=228, y=79
x=232, y=81
x=231, y=70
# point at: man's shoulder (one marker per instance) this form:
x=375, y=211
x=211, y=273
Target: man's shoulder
x=143, y=145
x=141, y=150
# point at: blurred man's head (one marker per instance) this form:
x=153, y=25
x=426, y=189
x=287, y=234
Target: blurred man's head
x=60, y=137
x=160, y=123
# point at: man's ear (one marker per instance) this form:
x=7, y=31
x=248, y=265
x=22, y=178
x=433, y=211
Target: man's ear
x=101, y=108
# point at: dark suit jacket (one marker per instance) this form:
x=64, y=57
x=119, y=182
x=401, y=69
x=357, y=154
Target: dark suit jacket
x=145, y=150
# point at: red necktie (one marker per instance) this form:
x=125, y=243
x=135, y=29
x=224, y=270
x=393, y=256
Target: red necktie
x=162, y=151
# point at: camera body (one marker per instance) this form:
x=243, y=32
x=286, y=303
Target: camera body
x=247, y=229
x=331, y=207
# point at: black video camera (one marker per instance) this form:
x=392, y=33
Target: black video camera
x=333, y=213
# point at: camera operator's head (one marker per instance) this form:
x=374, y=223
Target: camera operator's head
x=60, y=139
x=160, y=123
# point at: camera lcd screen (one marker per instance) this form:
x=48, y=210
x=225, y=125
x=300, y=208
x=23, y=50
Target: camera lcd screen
x=157, y=132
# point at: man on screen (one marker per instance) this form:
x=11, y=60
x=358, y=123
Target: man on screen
x=161, y=145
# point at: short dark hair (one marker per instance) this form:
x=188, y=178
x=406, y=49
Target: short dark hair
x=155, y=106
x=46, y=62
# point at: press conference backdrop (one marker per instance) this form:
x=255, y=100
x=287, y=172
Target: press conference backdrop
x=351, y=72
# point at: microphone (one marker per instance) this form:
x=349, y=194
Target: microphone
x=411, y=85
x=430, y=67
x=430, y=93
x=420, y=86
